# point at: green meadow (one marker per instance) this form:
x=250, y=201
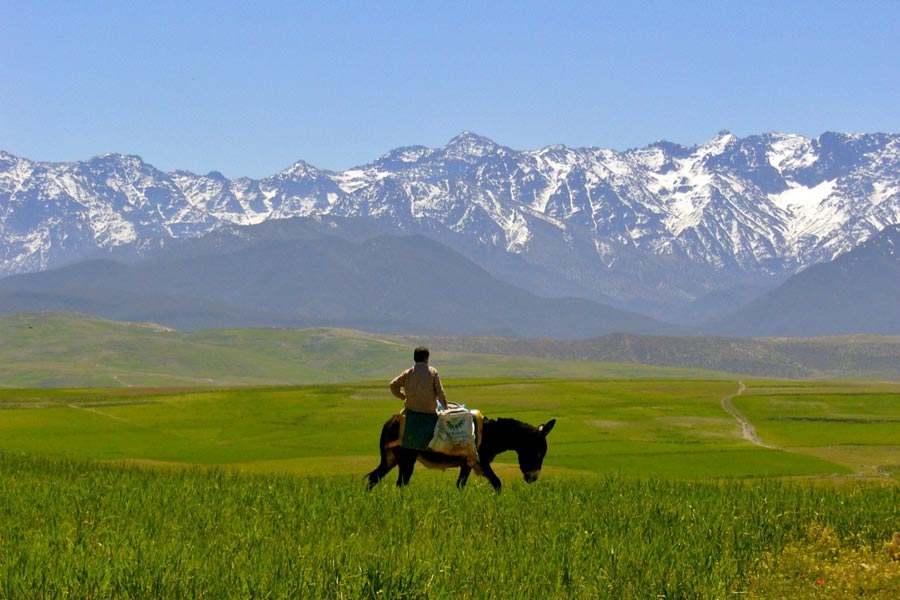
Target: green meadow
x=650, y=428
x=195, y=489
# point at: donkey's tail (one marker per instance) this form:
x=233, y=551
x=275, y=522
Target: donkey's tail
x=390, y=437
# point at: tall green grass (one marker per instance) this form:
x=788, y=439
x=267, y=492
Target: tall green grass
x=79, y=530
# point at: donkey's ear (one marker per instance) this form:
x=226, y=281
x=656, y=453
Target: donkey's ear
x=546, y=427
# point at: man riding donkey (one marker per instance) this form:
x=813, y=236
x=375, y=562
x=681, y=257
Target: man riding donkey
x=442, y=436
x=428, y=421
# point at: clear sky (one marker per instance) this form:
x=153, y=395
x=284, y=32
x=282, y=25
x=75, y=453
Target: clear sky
x=248, y=88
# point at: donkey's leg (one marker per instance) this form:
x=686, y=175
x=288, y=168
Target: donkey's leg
x=388, y=462
x=463, y=476
x=489, y=474
x=406, y=461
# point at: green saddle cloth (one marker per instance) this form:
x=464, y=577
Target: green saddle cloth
x=417, y=429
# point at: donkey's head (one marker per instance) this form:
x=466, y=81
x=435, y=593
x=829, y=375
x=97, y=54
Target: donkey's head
x=532, y=451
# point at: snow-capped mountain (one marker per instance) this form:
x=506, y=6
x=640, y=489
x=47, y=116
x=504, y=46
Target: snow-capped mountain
x=652, y=226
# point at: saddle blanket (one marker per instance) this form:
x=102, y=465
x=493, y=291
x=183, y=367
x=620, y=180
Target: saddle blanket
x=417, y=429
x=456, y=432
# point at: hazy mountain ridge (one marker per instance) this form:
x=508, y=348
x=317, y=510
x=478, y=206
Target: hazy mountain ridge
x=857, y=292
x=396, y=284
x=657, y=225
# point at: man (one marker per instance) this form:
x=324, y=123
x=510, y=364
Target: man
x=419, y=386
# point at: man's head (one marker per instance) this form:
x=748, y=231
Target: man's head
x=421, y=354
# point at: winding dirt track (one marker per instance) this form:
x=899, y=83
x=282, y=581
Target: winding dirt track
x=747, y=429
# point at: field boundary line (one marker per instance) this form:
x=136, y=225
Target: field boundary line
x=97, y=412
x=748, y=431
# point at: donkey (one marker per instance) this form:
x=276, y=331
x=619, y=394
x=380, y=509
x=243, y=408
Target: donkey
x=498, y=435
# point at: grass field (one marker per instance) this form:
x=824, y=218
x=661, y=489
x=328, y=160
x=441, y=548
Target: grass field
x=649, y=490
x=81, y=530
x=651, y=428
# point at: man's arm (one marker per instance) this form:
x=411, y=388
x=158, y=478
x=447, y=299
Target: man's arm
x=399, y=382
x=439, y=390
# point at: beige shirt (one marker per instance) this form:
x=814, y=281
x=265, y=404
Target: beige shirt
x=420, y=388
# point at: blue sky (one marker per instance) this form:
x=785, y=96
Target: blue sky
x=249, y=88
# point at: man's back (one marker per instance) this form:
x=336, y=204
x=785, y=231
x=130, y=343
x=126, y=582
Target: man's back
x=421, y=388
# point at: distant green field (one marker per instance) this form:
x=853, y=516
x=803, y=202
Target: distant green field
x=649, y=428
x=70, y=350
x=854, y=424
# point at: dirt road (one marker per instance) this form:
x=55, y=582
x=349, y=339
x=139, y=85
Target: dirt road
x=747, y=429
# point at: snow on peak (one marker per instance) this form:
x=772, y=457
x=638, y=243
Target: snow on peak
x=470, y=144
x=790, y=152
x=301, y=168
x=662, y=198
x=718, y=144
x=118, y=159
x=407, y=155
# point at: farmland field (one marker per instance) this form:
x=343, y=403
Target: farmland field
x=652, y=428
x=649, y=490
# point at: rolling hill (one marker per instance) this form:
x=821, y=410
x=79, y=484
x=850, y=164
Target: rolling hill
x=71, y=350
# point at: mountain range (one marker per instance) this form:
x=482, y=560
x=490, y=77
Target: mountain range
x=678, y=233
